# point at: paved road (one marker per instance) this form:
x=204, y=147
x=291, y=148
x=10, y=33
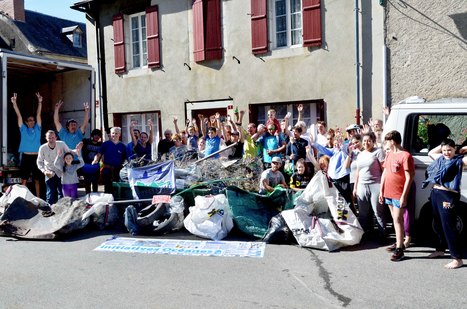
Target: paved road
x=69, y=274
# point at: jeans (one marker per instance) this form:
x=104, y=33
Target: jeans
x=445, y=206
x=53, y=187
x=367, y=199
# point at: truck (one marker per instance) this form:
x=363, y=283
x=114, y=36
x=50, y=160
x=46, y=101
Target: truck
x=55, y=79
x=423, y=125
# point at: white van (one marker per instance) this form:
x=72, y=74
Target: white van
x=423, y=125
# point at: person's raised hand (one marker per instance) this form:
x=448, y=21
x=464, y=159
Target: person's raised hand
x=39, y=97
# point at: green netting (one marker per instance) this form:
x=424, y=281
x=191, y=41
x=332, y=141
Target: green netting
x=252, y=212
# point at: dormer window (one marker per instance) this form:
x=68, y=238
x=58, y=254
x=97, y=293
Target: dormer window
x=75, y=35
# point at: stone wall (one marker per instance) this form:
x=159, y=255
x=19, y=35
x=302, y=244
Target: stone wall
x=427, y=41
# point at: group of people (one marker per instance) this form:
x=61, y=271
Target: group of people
x=369, y=170
x=62, y=162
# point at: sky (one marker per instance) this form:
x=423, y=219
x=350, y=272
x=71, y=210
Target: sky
x=58, y=8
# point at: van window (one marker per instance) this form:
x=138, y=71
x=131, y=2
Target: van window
x=426, y=131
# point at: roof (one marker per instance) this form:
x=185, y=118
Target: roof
x=45, y=33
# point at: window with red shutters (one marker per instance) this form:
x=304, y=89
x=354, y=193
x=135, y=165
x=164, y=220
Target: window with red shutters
x=207, y=36
x=152, y=36
x=119, y=44
x=259, y=27
x=311, y=23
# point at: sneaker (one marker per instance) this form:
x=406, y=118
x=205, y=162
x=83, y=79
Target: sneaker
x=397, y=255
x=392, y=247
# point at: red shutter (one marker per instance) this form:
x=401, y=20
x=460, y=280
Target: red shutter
x=311, y=22
x=198, y=30
x=119, y=44
x=259, y=27
x=152, y=36
x=213, y=38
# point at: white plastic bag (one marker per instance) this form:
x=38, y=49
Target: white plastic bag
x=324, y=233
x=313, y=198
x=210, y=217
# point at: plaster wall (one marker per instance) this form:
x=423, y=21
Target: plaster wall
x=427, y=40
x=292, y=74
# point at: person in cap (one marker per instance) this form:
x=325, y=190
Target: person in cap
x=272, y=177
x=72, y=134
x=352, y=130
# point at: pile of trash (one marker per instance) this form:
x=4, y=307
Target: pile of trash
x=23, y=215
x=207, y=198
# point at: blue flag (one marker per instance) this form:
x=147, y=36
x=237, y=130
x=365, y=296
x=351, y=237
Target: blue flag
x=152, y=180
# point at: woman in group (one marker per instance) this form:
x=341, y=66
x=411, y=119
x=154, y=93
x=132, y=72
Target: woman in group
x=445, y=174
x=367, y=185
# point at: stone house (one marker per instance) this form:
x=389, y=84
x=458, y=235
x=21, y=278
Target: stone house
x=162, y=59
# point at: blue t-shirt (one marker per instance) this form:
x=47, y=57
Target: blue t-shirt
x=30, y=138
x=71, y=140
x=114, y=154
x=192, y=142
x=140, y=151
x=270, y=142
x=212, y=145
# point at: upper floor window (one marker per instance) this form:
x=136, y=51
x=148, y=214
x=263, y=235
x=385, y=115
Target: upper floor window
x=286, y=23
x=77, y=39
x=75, y=35
x=138, y=42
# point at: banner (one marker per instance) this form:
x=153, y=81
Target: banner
x=150, y=180
x=253, y=249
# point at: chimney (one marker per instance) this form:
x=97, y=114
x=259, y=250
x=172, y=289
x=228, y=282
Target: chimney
x=14, y=9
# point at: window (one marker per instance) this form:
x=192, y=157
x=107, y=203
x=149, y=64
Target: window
x=138, y=44
x=291, y=23
x=429, y=130
x=141, y=44
x=77, y=39
x=286, y=23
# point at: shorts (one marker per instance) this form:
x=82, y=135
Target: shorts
x=392, y=202
x=29, y=166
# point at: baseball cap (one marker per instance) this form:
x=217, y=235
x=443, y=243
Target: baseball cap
x=353, y=127
x=276, y=159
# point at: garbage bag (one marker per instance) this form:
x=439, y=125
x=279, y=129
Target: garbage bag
x=278, y=232
x=327, y=232
x=313, y=198
x=210, y=217
x=252, y=211
x=19, y=191
x=102, y=212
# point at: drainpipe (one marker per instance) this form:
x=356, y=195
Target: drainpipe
x=357, y=62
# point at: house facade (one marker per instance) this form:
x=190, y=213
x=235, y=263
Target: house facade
x=427, y=42
x=162, y=59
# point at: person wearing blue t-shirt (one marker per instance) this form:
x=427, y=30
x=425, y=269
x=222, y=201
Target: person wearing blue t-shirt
x=30, y=142
x=114, y=153
x=71, y=134
x=212, y=139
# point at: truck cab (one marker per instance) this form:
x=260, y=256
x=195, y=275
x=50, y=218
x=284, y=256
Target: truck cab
x=423, y=125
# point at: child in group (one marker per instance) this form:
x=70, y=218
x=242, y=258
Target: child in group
x=273, y=120
x=301, y=177
x=68, y=175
